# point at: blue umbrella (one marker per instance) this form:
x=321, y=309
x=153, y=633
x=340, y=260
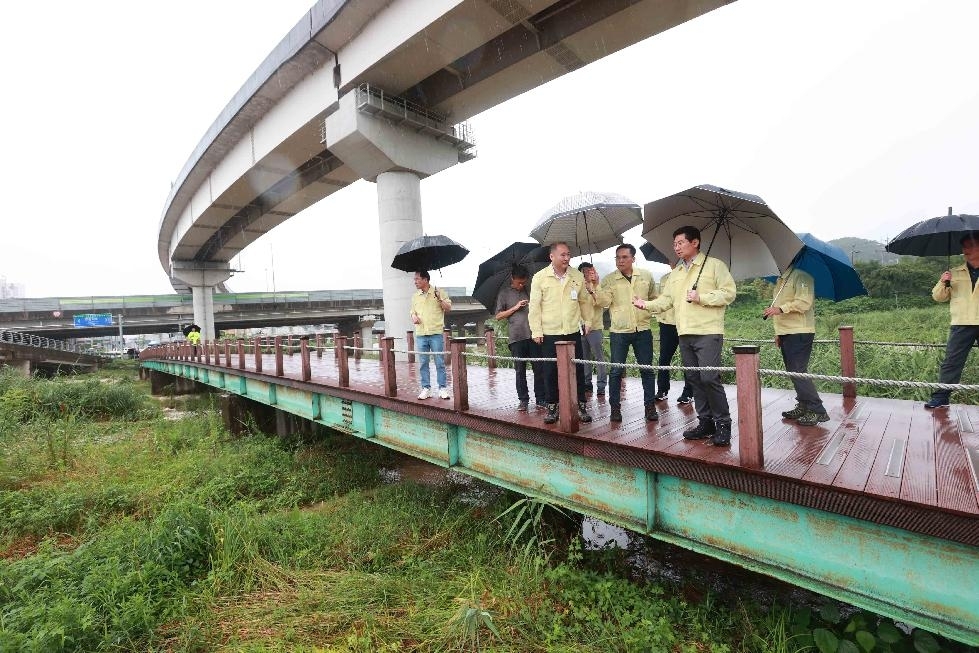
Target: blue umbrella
x=830, y=268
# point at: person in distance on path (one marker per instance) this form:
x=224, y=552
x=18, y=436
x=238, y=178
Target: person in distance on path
x=428, y=308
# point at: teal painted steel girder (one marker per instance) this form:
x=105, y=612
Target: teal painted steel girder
x=917, y=579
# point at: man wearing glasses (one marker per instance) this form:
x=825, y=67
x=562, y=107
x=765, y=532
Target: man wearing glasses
x=699, y=289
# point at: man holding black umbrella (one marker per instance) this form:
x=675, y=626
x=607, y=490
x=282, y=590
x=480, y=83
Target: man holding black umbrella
x=428, y=308
x=958, y=287
x=511, y=305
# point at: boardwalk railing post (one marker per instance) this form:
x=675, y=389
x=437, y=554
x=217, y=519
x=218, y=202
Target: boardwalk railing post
x=343, y=367
x=227, y=354
x=277, y=345
x=319, y=345
x=460, y=384
x=387, y=366
x=446, y=343
x=358, y=345
x=241, y=353
x=217, y=353
x=258, y=354
x=289, y=346
x=567, y=388
x=490, y=337
x=848, y=364
x=751, y=441
x=307, y=371
x=207, y=352
x=410, y=341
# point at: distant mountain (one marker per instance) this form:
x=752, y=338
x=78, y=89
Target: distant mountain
x=863, y=250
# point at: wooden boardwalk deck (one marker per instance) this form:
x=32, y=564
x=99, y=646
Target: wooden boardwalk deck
x=887, y=461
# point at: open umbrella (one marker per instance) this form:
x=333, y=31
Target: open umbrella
x=190, y=327
x=936, y=236
x=740, y=229
x=832, y=274
x=588, y=222
x=494, y=272
x=653, y=255
x=428, y=253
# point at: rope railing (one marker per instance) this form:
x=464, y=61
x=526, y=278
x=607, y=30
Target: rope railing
x=747, y=372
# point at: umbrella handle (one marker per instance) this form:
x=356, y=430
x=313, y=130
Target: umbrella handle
x=695, y=285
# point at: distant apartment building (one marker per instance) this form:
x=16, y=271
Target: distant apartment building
x=10, y=290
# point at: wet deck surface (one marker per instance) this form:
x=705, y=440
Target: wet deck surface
x=887, y=460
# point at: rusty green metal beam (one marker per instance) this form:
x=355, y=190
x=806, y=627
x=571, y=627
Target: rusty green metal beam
x=917, y=579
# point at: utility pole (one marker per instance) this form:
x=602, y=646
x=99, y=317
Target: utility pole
x=122, y=341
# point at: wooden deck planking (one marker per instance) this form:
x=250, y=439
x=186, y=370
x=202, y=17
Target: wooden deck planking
x=856, y=468
x=918, y=481
x=871, y=434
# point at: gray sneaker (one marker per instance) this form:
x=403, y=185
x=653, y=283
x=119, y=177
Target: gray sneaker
x=522, y=406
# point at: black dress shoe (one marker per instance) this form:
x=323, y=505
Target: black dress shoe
x=704, y=429
x=651, y=414
x=616, y=414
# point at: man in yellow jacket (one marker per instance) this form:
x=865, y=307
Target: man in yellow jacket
x=629, y=326
x=958, y=287
x=428, y=308
x=794, y=319
x=560, y=308
x=699, y=289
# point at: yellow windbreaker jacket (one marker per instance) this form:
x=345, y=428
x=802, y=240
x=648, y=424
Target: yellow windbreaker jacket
x=426, y=306
x=558, y=306
x=795, y=295
x=616, y=293
x=716, y=289
x=964, y=302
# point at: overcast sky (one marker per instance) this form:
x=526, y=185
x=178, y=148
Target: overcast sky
x=848, y=118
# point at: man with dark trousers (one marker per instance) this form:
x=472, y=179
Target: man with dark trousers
x=669, y=342
x=511, y=305
x=958, y=287
x=630, y=327
x=560, y=308
x=699, y=289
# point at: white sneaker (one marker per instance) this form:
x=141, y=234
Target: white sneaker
x=425, y=393
x=443, y=393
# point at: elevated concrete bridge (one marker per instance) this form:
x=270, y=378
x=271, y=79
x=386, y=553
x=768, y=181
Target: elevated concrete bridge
x=53, y=317
x=376, y=90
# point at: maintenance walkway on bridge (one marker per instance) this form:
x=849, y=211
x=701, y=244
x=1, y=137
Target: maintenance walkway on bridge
x=872, y=507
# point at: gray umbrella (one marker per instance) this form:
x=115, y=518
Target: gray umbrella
x=738, y=228
x=588, y=222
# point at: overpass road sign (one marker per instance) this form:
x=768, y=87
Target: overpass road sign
x=93, y=320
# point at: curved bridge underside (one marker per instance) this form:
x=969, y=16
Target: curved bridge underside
x=263, y=159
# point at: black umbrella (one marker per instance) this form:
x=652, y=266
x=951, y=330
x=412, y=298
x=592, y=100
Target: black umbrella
x=653, y=255
x=494, y=272
x=428, y=253
x=190, y=327
x=936, y=236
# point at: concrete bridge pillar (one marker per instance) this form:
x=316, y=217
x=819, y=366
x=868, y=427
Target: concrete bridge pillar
x=202, y=277
x=397, y=157
x=22, y=365
x=367, y=332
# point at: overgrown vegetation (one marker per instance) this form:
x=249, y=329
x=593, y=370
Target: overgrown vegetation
x=122, y=530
